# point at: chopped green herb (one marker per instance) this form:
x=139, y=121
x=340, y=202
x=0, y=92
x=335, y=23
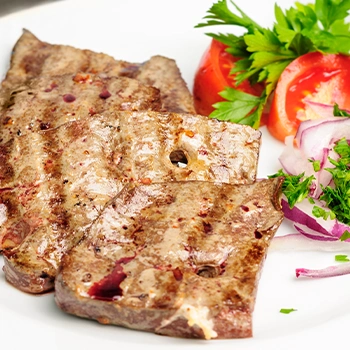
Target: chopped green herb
x=311, y=200
x=337, y=197
x=316, y=165
x=342, y=258
x=266, y=52
x=337, y=112
x=287, y=311
x=345, y=236
x=295, y=187
x=319, y=212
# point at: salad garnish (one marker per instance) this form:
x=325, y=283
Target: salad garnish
x=335, y=196
x=287, y=311
x=264, y=53
x=341, y=258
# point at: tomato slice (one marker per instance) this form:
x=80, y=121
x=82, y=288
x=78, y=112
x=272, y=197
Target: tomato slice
x=315, y=77
x=213, y=75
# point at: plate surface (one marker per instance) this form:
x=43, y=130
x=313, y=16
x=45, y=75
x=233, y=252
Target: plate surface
x=134, y=30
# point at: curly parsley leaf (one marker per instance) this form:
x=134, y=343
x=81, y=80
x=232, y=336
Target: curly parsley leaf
x=267, y=52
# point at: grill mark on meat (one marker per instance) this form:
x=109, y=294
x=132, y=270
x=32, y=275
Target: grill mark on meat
x=178, y=278
x=32, y=65
x=7, y=172
x=164, y=74
x=59, y=217
x=77, y=169
x=32, y=58
x=72, y=98
x=130, y=70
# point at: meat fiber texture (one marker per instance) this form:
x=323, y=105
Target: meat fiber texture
x=50, y=101
x=178, y=258
x=33, y=58
x=55, y=182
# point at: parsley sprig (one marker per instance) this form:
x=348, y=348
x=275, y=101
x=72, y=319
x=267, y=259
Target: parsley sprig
x=265, y=52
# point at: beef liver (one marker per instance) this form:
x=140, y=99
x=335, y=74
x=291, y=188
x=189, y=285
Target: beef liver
x=49, y=101
x=55, y=182
x=33, y=58
x=179, y=258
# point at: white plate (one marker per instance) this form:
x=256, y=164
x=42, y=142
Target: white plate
x=134, y=30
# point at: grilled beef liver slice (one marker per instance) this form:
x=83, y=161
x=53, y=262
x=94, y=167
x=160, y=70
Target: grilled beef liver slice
x=32, y=58
x=58, y=180
x=46, y=102
x=164, y=74
x=179, y=258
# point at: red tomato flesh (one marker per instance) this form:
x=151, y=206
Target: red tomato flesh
x=314, y=76
x=213, y=75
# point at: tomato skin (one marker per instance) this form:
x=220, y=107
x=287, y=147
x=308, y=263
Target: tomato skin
x=300, y=80
x=212, y=76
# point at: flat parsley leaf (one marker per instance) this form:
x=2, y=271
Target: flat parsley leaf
x=238, y=105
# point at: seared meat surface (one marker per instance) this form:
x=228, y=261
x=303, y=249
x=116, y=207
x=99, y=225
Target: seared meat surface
x=177, y=258
x=54, y=183
x=33, y=58
x=49, y=101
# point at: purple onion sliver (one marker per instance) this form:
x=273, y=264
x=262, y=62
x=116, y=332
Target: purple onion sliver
x=298, y=216
x=316, y=236
x=330, y=271
x=299, y=242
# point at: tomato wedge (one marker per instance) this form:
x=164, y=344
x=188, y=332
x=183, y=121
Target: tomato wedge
x=312, y=77
x=213, y=75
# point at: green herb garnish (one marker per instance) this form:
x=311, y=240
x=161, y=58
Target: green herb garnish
x=265, y=53
x=344, y=236
x=287, y=311
x=319, y=212
x=295, y=187
x=316, y=165
x=337, y=197
x=342, y=258
x=337, y=112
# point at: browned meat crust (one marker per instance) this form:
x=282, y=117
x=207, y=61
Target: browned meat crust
x=164, y=74
x=32, y=58
x=179, y=259
x=49, y=101
x=55, y=182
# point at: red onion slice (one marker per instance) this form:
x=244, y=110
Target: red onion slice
x=299, y=242
x=331, y=271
